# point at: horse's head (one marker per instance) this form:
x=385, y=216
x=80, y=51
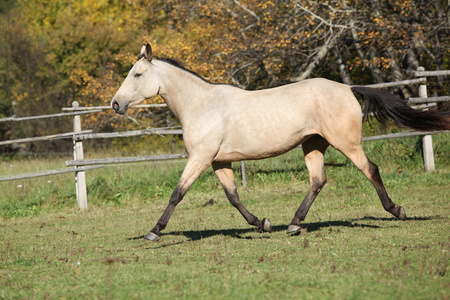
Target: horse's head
x=141, y=83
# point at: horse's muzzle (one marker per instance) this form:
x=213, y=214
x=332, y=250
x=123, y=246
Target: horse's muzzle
x=116, y=107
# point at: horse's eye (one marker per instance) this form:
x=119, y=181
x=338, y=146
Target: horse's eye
x=137, y=74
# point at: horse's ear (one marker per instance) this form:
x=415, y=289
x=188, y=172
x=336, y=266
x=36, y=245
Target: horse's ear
x=146, y=52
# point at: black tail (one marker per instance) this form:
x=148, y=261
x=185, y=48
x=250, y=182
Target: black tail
x=386, y=106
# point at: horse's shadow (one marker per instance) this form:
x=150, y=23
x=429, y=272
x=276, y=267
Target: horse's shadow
x=310, y=227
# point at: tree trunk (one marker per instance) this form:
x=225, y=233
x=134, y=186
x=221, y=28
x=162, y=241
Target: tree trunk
x=376, y=73
x=329, y=43
x=342, y=67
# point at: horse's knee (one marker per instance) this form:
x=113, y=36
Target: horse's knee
x=176, y=197
x=374, y=172
x=317, y=183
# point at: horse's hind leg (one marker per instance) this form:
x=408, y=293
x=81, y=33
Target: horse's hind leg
x=226, y=177
x=359, y=158
x=314, y=149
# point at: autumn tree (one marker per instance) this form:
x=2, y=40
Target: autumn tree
x=262, y=44
x=54, y=52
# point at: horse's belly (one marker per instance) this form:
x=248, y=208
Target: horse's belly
x=259, y=146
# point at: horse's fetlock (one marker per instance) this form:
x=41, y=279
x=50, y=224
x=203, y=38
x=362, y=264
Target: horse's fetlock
x=390, y=207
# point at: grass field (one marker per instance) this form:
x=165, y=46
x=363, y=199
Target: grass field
x=349, y=247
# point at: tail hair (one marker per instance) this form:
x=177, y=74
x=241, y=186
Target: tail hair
x=386, y=106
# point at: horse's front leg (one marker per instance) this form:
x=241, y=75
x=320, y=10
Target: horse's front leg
x=193, y=169
x=226, y=177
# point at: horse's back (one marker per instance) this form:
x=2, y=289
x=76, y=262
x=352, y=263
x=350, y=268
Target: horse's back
x=307, y=104
x=308, y=94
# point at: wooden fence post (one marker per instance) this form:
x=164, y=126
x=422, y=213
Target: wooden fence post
x=427, y=142
x=244, y=178
x=80, y=176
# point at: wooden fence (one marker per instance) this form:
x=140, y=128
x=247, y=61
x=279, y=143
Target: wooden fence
x=81, y=165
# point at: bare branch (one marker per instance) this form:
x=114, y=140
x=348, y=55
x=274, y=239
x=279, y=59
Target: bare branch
x=320, y=18
x=252, y=13
x=133, y=120
x=329, y=43
x=243, y=30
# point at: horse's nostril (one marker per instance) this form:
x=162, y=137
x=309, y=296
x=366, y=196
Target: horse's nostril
x=116, y=106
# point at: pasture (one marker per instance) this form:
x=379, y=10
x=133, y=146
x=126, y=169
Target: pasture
x=349, y=247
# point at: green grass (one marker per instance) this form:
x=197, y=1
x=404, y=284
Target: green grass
x=349, y=248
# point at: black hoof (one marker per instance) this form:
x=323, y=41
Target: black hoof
x=293, y=229
x=266, y=225
x=152, y=236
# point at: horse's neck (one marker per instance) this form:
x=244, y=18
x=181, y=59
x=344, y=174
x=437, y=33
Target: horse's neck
x=182, y=91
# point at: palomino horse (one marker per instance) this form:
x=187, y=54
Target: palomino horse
x=222, y=124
